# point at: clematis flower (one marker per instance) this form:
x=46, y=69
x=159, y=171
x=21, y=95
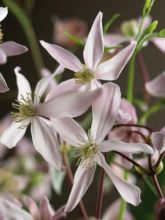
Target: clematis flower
x=37, y=111
x=8, y=48
x=45, y=211
x=88, y=74
x=90, y=147
x=156, y=86
x=11, y=208
x=3, y=85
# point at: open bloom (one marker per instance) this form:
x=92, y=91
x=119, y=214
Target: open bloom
x=88, y=74
x=156, y=86
x=37, y=111
x=9, y=48
x=90, y=147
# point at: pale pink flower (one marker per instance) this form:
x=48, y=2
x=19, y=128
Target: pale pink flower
x=3, y=85
x=11, y=209
x=36, y=112
x=90, y=147
x=9, y=48
x=45, y=211
x=156, y=86
x=87, y=75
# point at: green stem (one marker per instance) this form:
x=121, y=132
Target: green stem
x=154, y=108
x=130, y=79
x=29, y=31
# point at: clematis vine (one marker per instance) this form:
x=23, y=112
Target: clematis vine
x=91, y=147
x=37, y=111
x=87, y=75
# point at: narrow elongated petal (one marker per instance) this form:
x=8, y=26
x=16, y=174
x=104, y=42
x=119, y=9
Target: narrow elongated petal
x=111, y=40
x=129, y=192
x=93, y=50
x=13, y=134
x=45, y=142
x=3, y=85
x=111, y=69
x=123, y=147
x=23, y=85
x=159, y=43
x=45, y=209
x=3, y=13
x=3, y=57
x=156, y=86
x=68, y=104
x=70, y=131
x=158, y=141
x=104, y=111
x=82, y=180
x=12, y=48
x=62, y=56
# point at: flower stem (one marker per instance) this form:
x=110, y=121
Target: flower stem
x=130, y=79
x=29, y=31
x=70, y=176
x=100, y=195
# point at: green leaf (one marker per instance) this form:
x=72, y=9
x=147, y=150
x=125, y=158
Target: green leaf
x=162, y=33
x=150, y=28
x=147, y=7
x=110, y=22
x=74, y=38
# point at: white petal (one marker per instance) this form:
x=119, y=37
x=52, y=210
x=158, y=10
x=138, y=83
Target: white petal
x=104, y=111
x=156, y=86
x=12, y=48
x=45, y=142
x=128, y=191
x=63, y=57
x=23, y=85
x=3, y=85
x=111, y=40
x=3, y=13
x=3, y=57
x=111, y=69
x=93, y=50
x=123, y=147
x=68, y=104
x=159, y=43
x=60, y=69
x=82, y=180
x=70, y=131
x=13, y=134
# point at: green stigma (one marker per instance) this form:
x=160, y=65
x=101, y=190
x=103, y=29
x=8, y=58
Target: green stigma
x=129, y=28
x=86, y=152
x=84, y=76
x=25, y=109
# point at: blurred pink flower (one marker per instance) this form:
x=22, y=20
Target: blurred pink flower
x=73, y=26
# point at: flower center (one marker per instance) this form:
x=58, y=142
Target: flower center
x=86, y=152
x=129, y=28
x=25, y=108
x=1, y=34
x=84, y=76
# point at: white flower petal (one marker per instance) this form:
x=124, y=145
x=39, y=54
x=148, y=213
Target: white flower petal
x=156, y=86
x=93, y=50
x=104, y=111
x=111, y=40
x=129, y=192
x=3, y=85
x=158, y=141
x=63, y=57
x=3, y=57
x=68, y=104
x=13, y=134
x=159, y=43
x=70, y=131
x=45, y=142
x=12, y=48
x=23, y=85
x=82, y=180
x=111, y=69
x=3, y=13
x=123, y=147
